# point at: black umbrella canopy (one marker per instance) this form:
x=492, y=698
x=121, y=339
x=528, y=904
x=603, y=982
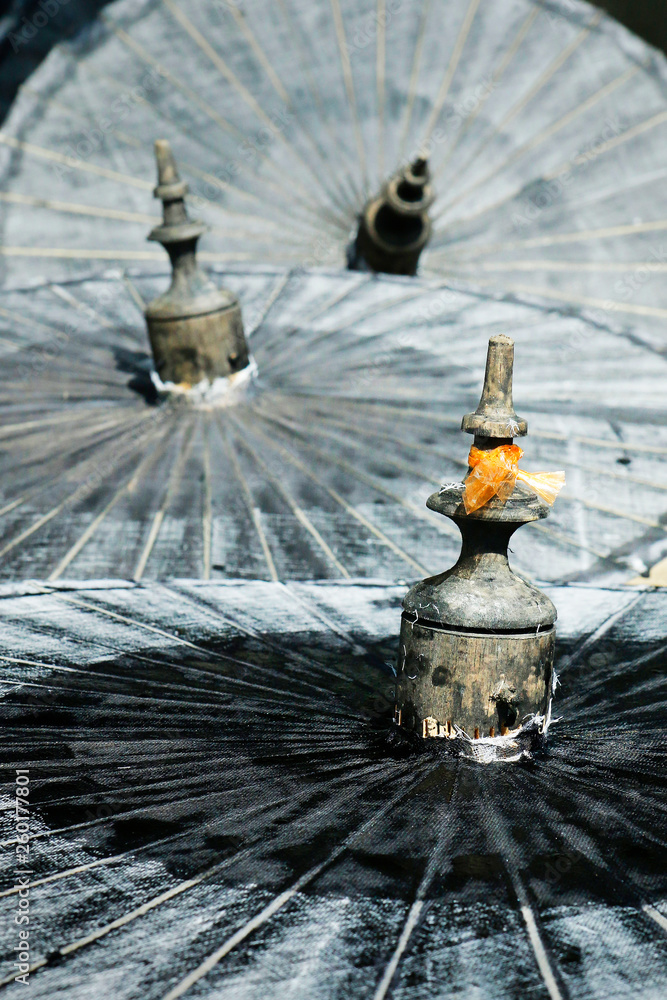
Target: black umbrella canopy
x=219, y=808
x=543, y=122
x=322, y=465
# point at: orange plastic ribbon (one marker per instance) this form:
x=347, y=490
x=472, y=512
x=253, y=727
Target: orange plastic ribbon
x=494, y=473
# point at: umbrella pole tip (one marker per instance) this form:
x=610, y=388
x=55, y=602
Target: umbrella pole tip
x=394, y=227
x=167, y=170
x=477, y=642
x=495, y=417
x=195, y=328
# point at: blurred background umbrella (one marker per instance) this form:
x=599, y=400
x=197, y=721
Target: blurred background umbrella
x=545, y=124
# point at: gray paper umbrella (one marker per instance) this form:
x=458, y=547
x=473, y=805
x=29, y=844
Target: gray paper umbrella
x=544, y=123
x=321, y=467
x=213, y=805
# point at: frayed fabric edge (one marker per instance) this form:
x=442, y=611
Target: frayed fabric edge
x=220, y=392
x=510, y=748
x=517, y=745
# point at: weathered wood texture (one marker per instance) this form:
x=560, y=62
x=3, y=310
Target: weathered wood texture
x=326, y=469
x=209, y=768
x=195, y=328
x=394, y=226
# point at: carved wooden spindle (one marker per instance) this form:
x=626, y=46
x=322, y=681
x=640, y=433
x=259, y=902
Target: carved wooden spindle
x=195, y=328
x=477, y=642
x=395, y=227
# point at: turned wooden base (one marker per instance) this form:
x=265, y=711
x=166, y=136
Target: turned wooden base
x=473, y=680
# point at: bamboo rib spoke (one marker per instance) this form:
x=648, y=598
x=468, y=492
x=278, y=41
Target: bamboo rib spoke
x=298, y=511
x=495, y=81
x=541, y=137
x=370, y=527
x=284, y=898
x=551, y=70
x=251, y=507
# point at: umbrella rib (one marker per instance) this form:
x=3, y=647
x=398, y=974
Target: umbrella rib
x=173, y=483
x=495, y=80
x=220, y=64
x=319, y=311
x=655, y=915
x=411, y=922
x=312, y=86
x=128, y=487
x=187, y=884
x=451, y=68
x=381, y=80
x=370, y=527
x=443, y=527
x=212, y=178
x=40, y=152
x=307, y=662
x=525, y=908
x=66, y=296
x=207, y=505
x=125, y=619
x=414, y=470
x=261, y=55
x=631, y=133
x=91, y=313
x=337, y=299
x=6, y=430
x=414, y=78
x=44, y=519
x=92, y=434
x=255, y=515
x=601, y=267
x=100, y=863
x=542, y=136
x=581, y=236
x=653, y=122
x=134, y=255
x=134, y=293
x=214, y=56
x=74, y=208
x=320, y=215
x=297, y=510
x=346, y=67
x=415, y=911
x=534, y=90
x=274, y=295
x=119, y=697
x=455, y=424
x=211, y=675
x=535, y=938
x=342, y=172
x=606, y=305
x=278, y=86
x=607, y=473
x=604, y=627
x=202, y=105
x=279, y=901
x=150, y=60
x=289, y=362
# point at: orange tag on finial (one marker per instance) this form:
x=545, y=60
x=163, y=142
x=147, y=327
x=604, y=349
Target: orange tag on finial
x=495, y=472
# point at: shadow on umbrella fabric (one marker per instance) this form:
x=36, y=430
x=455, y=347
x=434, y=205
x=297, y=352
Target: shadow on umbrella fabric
x=219, y=803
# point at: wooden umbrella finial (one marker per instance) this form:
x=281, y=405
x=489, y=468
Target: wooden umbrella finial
x=477, y=642
x=395, y=227
x=195, y=328
x=495, y=416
